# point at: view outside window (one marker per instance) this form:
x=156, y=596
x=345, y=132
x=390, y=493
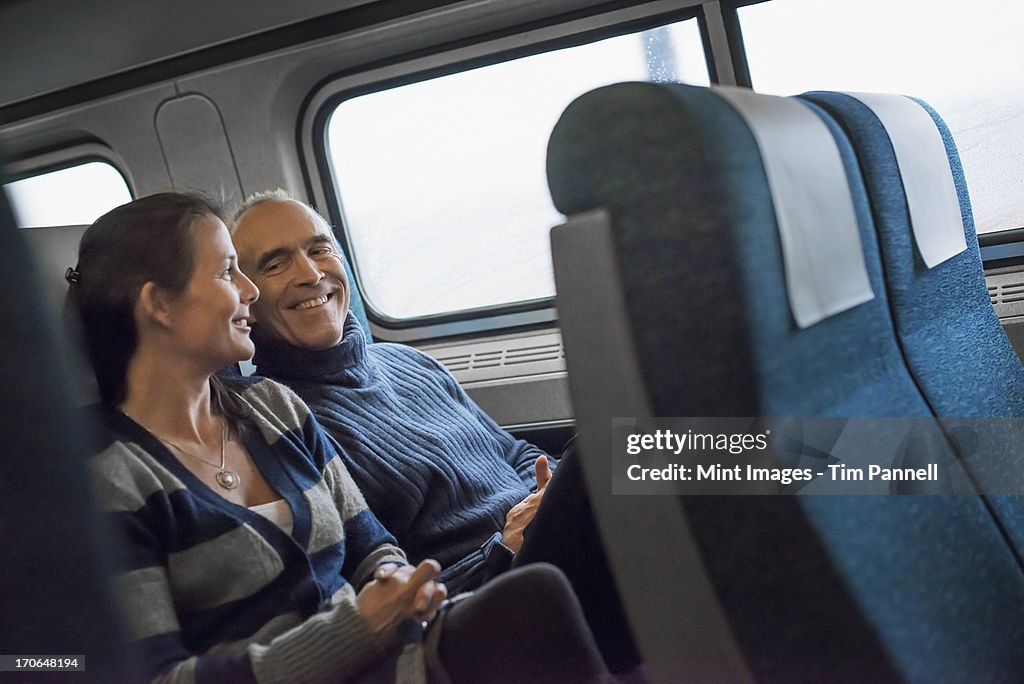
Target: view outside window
x=963, y=58
x=442, y=183
x=77, y=195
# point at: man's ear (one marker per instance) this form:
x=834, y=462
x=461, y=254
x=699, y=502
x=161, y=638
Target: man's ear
x=154, y=304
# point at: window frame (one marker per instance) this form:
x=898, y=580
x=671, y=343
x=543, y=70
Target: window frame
x=42, y=163
x=415, y=68
x=1001, y=248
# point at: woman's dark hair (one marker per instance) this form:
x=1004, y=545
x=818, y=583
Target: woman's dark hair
x=149, y=239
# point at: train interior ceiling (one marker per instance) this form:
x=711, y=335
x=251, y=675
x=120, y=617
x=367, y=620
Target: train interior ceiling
x=316, y=98
x=421, y=130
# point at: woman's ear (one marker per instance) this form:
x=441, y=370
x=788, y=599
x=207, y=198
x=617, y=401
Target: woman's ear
x=154, y=304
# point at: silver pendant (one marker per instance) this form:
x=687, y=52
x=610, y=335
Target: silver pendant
x=227, y=479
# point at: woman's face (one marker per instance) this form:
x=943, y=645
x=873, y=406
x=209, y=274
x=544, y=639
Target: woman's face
x=210, y=318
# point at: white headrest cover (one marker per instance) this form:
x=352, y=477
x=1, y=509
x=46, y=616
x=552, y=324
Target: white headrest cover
x=927, y=177
x=821, y=249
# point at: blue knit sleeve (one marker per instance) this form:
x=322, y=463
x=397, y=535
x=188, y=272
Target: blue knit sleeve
x=518, y=453
x=470, y=572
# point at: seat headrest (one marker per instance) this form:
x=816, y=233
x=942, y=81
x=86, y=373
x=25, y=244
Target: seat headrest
x=924, y=168
x=821, y=248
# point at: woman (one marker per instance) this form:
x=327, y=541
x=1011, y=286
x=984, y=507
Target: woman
x=251, y=555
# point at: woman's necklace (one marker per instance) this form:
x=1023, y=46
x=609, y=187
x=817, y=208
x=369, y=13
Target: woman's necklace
x=228, y=479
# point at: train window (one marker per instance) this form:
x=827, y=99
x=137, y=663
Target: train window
x=442, y=182
x=76, y=195
x=960, y=58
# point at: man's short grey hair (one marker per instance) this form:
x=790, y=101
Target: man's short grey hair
x=277, y=195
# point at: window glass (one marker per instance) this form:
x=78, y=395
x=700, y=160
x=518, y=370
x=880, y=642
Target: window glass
x=442, y=183
x=963, y=58
x=77, y=195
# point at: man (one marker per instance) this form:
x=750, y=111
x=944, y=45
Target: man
x=440, y=474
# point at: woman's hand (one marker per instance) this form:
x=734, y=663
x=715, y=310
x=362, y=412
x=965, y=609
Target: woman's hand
x=398, y=593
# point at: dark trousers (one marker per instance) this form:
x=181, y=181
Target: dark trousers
x=564, y=533
x=523, y=626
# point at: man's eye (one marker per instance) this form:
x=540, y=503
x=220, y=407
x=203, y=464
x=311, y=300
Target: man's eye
x=322, y=251
x=272, y=267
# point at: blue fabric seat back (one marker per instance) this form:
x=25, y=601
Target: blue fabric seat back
x=355, y=301
x=699, y=224
x=955, y=347
x=892, y=581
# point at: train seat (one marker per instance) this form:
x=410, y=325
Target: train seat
x=54, y=249
x=56, y=584
x=675, y=298
x=951, y=337
x=355, y=300
x=955, y=347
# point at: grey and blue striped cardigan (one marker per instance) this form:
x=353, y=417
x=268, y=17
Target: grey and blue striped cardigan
x=213, y=592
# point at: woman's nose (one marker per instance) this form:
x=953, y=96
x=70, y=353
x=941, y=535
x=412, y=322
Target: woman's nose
x=247, y=290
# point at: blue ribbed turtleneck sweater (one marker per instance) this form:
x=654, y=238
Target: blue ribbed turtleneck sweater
x=434, y=468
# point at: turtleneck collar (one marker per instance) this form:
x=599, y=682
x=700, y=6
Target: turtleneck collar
x=343, y=364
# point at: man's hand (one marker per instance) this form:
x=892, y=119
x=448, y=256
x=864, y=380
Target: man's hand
x=398, y=593
x=521, y=515
x=543, y=472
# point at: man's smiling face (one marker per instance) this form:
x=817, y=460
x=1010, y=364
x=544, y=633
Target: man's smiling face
x=291, y=255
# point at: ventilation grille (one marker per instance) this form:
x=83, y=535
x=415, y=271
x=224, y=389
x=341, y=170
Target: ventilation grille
x=1007, y=293
x=503, y=357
